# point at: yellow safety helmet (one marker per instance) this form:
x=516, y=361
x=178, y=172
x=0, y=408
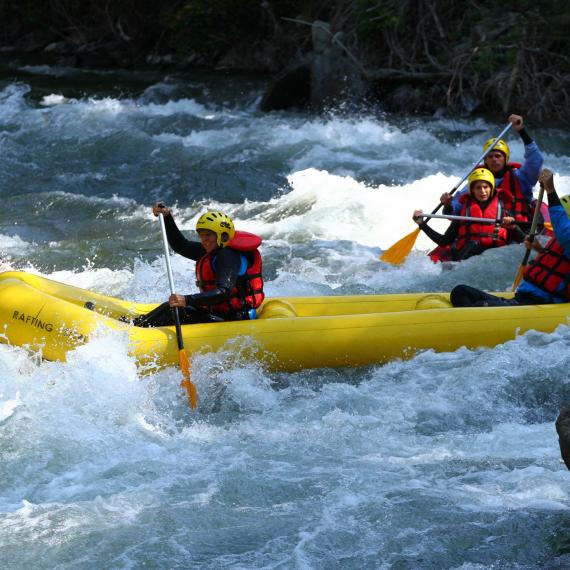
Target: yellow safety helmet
x=565, y=201
x=482, y=174
x=219, y=223
x=501, y=146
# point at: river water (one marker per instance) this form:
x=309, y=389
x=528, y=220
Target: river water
x=443, y=461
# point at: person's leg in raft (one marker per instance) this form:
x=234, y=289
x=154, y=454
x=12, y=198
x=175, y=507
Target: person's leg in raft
x=466, y=296
x=194, y=315
x=160, y=316
x=530, y=299
x=163, y=316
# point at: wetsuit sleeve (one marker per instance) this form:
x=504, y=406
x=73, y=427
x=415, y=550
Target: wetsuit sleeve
x=554, y=200
x=226, y=266
x=442, y=239
x=190, y=249
x=526, y=139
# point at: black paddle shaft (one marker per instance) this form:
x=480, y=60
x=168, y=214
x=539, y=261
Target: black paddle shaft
x=179, y=338
x=482, y=157
x=534, y=224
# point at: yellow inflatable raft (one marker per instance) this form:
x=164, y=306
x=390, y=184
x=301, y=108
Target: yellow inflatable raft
x=290, y=334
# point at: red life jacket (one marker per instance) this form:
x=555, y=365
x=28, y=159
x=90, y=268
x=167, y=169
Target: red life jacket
x=550, y=270
x=248, y=291
x=488, y=235
x=521, y=209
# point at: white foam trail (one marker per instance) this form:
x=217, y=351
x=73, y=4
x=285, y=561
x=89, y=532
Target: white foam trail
x=366, y=146
x=324, y=206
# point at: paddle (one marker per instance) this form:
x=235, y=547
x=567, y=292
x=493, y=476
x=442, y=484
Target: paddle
x=460, y=218
x=396, y=253
x=531, y=235
x=184, y=362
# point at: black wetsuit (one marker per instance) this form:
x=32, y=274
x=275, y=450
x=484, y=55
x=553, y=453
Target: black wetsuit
x=467, y=296
x=227, y=263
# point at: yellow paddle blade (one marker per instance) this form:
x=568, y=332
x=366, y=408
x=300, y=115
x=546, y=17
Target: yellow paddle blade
x=399, y=251
x=518, y=277
x=186, y=381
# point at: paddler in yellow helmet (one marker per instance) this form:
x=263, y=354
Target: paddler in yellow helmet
x=519, y=179
x=228, y=272
x=465, y=238
x=546, y=279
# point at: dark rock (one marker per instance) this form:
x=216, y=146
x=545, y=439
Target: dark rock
x=326, y=76
x=563, y=429
x=333, y=79
x=290, y=89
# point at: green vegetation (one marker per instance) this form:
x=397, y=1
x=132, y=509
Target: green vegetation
x=502, y=55
x=510, y=55
x=204, y=26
